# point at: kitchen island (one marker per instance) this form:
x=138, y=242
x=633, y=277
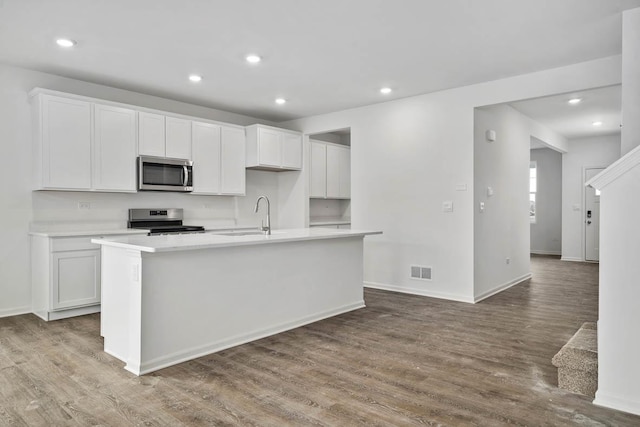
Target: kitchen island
x=172, y=298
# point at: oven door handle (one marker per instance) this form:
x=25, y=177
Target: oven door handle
x=185, y=174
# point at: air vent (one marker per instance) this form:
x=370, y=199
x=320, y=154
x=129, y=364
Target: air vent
x=422, y=273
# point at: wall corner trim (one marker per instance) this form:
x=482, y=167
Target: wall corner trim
x=417, y=292
x=501, y=287
x=17, y=311
x=614, y=402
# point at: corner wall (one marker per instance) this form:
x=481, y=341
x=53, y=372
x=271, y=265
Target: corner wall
x=546, y=232
x=501, y=226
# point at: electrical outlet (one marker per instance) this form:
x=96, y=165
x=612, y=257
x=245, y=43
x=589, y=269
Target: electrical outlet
x=84, y=205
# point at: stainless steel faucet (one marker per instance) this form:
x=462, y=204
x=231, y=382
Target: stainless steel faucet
x=267, y=228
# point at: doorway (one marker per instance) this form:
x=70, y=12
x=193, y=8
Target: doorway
x=592, y=218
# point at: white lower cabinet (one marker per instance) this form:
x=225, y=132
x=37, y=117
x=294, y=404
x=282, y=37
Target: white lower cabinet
x=65, y=276
x=76, y=279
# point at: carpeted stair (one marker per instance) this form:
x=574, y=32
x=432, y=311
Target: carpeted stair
x=577, y=362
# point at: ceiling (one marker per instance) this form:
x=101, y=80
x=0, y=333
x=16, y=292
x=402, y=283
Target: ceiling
x=321, y=56
x=576, y=121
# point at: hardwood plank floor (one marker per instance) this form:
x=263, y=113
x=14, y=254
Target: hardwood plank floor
x=403, y=360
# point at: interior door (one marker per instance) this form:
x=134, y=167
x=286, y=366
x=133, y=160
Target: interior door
x=592, y=218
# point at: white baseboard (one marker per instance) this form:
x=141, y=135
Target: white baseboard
x=617, y=403
x=502, y=287
x=7, y=312
x=415, y=291
x=537, y=252
x=213, y=347
x=572, y=259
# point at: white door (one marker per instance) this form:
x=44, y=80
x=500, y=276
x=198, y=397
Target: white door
x=151, y=134
x=114, y=149
x=177, y=138
x=318, y=170
x=206, y=158
x=269, y=148
x=592, y=218
x=291, y=151
x=233, y=171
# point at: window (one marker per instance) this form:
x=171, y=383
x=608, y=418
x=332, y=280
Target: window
x=533, y=184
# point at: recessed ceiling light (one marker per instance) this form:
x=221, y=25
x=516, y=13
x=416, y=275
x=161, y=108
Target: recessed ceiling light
x=385, y=90
x=597, y=123
x=66, y=42
x=253, y=59
x=575, y=101
x=280, y=101
x=195, y=78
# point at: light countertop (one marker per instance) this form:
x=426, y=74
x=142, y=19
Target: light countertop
x=105, y=229
x=182, y=242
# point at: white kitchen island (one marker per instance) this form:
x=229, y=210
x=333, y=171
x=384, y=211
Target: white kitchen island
x=168, y=299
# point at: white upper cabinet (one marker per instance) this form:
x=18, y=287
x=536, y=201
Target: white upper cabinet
x=270, y=148
x=164, y=136
x=330, y=171
x=114, y=149
x=318, y=170
x=206, y=158
x=218, y=159
x=291, y=151
x=233, y=172
x=83, y=146
x=178, y=138
x=62, y=143
x=151, y=134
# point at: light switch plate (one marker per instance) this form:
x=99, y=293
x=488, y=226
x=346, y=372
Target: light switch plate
x=447, y=206
x=481, y=207
x=489, y=191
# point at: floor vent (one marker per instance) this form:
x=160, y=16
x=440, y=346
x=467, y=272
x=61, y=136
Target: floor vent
x=418, y=272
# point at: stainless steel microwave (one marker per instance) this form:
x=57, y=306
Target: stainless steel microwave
x=164, y=174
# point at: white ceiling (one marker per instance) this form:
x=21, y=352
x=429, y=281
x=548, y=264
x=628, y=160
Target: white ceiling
x=322, y=56
x=576, y=121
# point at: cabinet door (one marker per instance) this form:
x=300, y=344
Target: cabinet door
x=178, y=138
x=269, y=147
x=206, y=158
x=318, y=170
x=66, y=143
x=114, y=152
x=76, y=279
x=344, y=173
x=333, y=171
x=291, y=151
x=151, y=134
x=233, y=161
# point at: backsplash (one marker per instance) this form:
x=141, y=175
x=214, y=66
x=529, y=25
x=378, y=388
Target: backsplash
x=70, y=207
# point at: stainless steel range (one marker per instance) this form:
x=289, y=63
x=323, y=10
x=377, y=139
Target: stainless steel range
x=161, y=221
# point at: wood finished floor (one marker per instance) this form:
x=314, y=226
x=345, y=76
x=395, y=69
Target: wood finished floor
x=403, y=360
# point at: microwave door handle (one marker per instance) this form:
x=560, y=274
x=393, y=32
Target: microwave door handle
x=185, y=175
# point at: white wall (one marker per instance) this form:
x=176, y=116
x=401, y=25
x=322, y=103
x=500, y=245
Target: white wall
x=501, y=229
x=593, y=152
x=546, y=232
x=19, y=205
x=619, y=317
x=630, y=79
x=410, y=155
